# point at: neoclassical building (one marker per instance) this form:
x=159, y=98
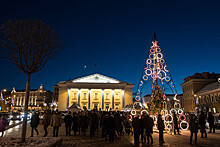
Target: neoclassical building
x=208, y=98
x=192, y=85
x=95, y=91
x=37, y=98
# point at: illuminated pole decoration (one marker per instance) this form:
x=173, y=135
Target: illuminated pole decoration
x=157, y=72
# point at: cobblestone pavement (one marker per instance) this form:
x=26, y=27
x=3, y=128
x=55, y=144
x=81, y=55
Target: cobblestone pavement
x=213, y=140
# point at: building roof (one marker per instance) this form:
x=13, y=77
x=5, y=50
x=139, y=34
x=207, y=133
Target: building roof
x=95, y=78
x=210, y=87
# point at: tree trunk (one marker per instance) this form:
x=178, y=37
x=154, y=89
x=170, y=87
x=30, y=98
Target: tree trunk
x=24, y=126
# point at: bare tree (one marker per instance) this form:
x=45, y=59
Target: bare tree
x=30, y=43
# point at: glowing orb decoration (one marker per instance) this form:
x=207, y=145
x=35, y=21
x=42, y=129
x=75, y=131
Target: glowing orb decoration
x=149, y=61
x=151, y=56
x=180, y=111
x=159, y=55
x=164, y=97
x=144, y=111
x=169, y=126
x=162, y=61
x=148, y=72
x=177, y=105
x=137, y=98
x=173, y=110
x=167, y=78
x=133, y=112
x=158, y=50
x=180, y=117
x=187, y=125
x=168, y=116
x=145, y=78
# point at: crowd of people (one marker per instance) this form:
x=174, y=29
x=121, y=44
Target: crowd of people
x=114, y=124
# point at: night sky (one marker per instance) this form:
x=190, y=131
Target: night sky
x=117, y=34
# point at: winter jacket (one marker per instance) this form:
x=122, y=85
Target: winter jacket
x=193, y=126
x=160, y=124
x=3, y=123
x=136, y=123
x=211, y=120
x=149, y=124
x=202, y=121
x=68, y=119
x=35, y=120
x=46, y=121
x=83, y=121
x=56, y=120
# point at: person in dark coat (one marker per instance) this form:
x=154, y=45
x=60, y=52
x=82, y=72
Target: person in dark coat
x=105, y=126
x=3, y=124
x=211, y=120
x=119, y=127
x=34, y=123
x=143, y=128
x=75, y=123
x=111, y=126
x=68, y=122
x=92, y=123
x=202, y=122
x=149, y=128
x=136, y=123
x=83, y=123
x=175, y=124
x=46, y=122
x=160, y=124
x=193, y=126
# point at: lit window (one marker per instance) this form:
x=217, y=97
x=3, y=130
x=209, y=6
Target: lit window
x=74, y=96
x=96, y=95
x=116, y=96
x=107, y=96
x=84, y=95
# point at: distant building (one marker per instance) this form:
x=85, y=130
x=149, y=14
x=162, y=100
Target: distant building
x=208, y=98
x=95, y=91
x=38, y=98
x=170, y=100
x=192, y=85
x=55, y=94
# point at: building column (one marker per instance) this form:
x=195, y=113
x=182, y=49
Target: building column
x=89, y=99
x=35, y=103
x=17, y=101
x=123, y=98
x=113, y=100
x=102, y=99
x=79, y=97
x=68, y=98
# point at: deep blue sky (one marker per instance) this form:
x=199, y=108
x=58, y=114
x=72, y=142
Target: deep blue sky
x=117, y=34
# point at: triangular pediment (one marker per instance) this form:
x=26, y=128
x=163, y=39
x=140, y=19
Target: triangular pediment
x=95, y=78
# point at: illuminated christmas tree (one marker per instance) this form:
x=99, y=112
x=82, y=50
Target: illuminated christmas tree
x=157, y=101
x=155, y=71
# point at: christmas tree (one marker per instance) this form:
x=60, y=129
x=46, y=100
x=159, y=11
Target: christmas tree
x=156, y=71
x=157, y=100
